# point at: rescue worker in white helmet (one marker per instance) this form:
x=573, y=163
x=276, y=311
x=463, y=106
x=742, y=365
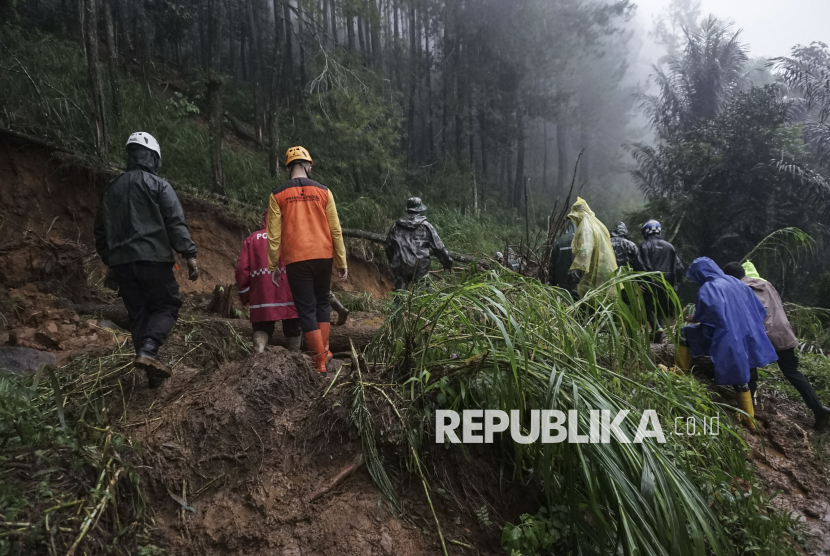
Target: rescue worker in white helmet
x=139, y=228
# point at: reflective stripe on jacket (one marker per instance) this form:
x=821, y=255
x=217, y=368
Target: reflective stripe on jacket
x=253, y=279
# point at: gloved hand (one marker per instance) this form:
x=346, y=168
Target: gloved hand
x=110, y=282
x=194, y=271
x=575, y=275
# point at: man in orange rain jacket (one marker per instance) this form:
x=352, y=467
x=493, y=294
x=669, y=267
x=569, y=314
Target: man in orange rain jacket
x=304, y=231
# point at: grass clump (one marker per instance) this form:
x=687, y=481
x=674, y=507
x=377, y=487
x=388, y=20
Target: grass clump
x=500, y=341
x=69, y=482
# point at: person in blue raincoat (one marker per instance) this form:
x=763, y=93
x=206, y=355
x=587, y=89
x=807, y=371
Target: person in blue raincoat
x=731, y=329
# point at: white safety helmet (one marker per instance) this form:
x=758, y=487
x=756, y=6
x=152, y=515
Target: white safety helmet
x=145, y=140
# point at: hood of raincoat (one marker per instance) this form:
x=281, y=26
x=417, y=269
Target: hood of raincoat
x=703, y=270
x=751, y=271
x=620, y=230
x=570, y=228
x=592, y=250
x=733, y=317
x=143, y=159
x=412, y=222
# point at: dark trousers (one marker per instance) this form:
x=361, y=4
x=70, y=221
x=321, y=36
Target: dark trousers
x=310, y=283
x=657, y=306
x=151, y=296
x=788, y=363
x=403, y=277
x=290, y=327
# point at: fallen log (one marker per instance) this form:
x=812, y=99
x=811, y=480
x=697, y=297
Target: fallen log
x=360, y=328
x=379, y=238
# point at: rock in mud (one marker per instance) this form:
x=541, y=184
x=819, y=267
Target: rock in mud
x=21, y=360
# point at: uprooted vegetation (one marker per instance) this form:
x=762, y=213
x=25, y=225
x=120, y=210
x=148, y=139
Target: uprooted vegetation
x=245, y=454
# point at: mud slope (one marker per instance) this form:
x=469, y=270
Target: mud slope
x=47, y=214
x=244, y=446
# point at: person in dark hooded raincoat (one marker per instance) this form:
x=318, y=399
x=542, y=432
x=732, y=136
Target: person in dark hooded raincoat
x=730, y=330
x=625, y=250
x=410, y=243
x=139, y=228
x=561, y=259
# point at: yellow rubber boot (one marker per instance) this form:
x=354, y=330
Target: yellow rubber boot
x=745, y=404
x=683, y=358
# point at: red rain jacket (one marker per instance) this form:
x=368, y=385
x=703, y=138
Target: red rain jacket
x=253, y=279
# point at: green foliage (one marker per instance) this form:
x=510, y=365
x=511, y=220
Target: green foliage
x=535, y=533
x=821, y=289
x=499, y=341
x=815, y=366
x=722, y=183
x=181, y=106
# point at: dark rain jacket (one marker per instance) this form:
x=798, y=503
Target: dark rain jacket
x=140, y=218
x=625, y=250
x=408, y=247
x=658, y=255
x=561, y=259
x=731, y=325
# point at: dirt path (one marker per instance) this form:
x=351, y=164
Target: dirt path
x=793, y=460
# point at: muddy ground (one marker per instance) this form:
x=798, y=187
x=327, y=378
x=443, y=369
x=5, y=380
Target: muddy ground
x=232, y=451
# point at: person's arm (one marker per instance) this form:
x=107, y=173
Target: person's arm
x=636, y=261
x=174, y=222
x=644, y=258
x=336, y=234
x=389, y=245
x=437, y=247
x=274, y=231
x=100, y=233
x=243, y=274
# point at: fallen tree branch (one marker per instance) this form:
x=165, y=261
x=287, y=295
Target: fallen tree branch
x=342, y=476
x=379, y=238
x=35, y=141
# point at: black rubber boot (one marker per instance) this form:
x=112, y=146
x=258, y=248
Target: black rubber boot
x=822, y=418
x=342, y=312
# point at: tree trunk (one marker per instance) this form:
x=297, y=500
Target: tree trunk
x=325, y=11
x=413, y=83
x=482, y=133
x=143, y=38
x=288, y=52
x=428, y=73
x=214, y=89
x=112, y=59
x=334, y=21
x=545, y=159
x=361, y=38
x=350, y=30
x=256, y=67
x=96, y=90
x=273, y=106
x=377, y=50
x=562, y=157
x=300, y=41
x=518, y=183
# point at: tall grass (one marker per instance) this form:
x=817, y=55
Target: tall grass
x=499, y=341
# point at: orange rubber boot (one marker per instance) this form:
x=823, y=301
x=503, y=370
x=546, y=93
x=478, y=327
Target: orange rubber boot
x=325, y=328
x=314, y=342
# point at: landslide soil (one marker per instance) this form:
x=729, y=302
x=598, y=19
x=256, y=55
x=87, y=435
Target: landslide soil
x=243, y=444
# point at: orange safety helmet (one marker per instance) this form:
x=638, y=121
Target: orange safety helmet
x=297, y=153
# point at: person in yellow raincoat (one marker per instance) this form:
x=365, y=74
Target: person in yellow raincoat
x=594, y=258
